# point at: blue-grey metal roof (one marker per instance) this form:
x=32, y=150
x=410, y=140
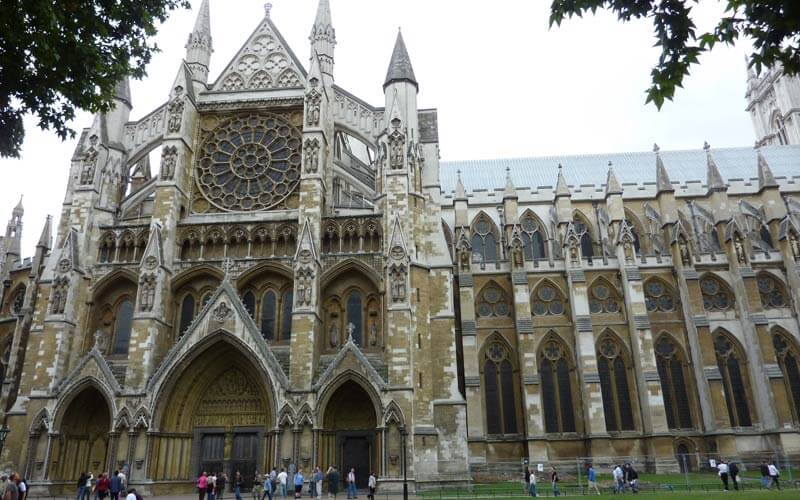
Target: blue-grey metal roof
x=630, y=168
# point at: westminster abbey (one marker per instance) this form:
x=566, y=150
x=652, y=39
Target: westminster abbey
x=296, y=279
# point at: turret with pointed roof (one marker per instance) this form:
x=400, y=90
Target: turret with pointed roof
x=400, y=69
x=199, y=46
x=323, y=38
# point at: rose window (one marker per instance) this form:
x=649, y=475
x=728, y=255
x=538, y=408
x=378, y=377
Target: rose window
x=250, y=163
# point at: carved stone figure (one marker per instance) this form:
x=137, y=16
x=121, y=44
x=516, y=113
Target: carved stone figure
x=350, y=329
x=574, y=256
x=517, y=257
x=396, y=150
x=683, y=247
x=169, y=160
x=738, y=248
x=398, y=284
x=58, y=301
x=311, y=155
x=89, y=166
x=313, y=100
x=794, y=245
x=373, y=334
x=627, y=249
x=222, y=312
x=175, y=110
x=333, y=336
x=100, y=340
x=463, y=257
x=147, y=294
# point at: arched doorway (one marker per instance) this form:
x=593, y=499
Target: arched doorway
x=349, y=438
x=83, y=440
x=216, y=418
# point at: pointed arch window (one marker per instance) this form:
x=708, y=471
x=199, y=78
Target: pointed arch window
x=499, y=389
x=249, y=302
x=19, y=301
x=268, y=315
x=585, y=235
x=484, y=241
x=633, y=224
x=604, y=298
x=556, y=384
x=355, y=316
x=716, y=296
x=187, y=313
x=729, y=361
x=772, y=291
x=286, y=319
x=122, y=327
x=672, y=371
x=532, y=239
x=789, y=361
x=615, y=385
x=658, y=297
x=548, y=301
x=492, y=302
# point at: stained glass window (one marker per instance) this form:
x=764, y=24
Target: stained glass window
x=492, y=302
x=671, y=371
x=484, y=242
x=122, y=327
x=614, y=386
x=532, y=240
x=500, y=392
x=286, y=315
x=355, y=317
x=604, y=298
x=547, y=301
x=556, y=388
x=788, y=358
x=772, y=292
x=728, y=361
x=268, y=310
x=659, y=298
x=716, y=296
x=187, y=314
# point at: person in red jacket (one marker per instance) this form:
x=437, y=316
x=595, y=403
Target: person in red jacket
x=102, y=486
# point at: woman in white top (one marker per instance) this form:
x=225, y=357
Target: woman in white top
x=532, y=484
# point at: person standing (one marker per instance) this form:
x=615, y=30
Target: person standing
x=333, y=482
x=312, y=484
x=774, y=475
x=88, y=490
x=733, y=471
x=592, y=477
x=318, y=477
x=23, y=488
x=115, y=486
x=211, y=489
x=103, y=484
x=532, y=483
x=764, y=469
x=267, y=486
x=11, y=491
x=632, y=477
x=351, y=484
x=123, y=480
x=82, y=485
x=282, y=477
x=619, y=480
x=722, y=470
x=202, y=484
x=131, y=494
x=258, y=487
x=298, y=483
x=237, y=485
x=554, y=481
x=372, y=484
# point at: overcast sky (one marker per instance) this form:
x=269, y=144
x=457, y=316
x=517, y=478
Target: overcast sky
x=504, y=83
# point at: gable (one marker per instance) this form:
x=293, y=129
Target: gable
x=264, y=62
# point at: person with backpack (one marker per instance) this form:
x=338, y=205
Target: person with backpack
x=764, y=469
x=81, y=485
x=632, y=477
x=115, y=485
x=733, y=471
x=333, y=482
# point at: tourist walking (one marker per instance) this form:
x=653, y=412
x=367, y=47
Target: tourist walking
x=632, y=478
x=267, y=486
x=298, y=483
x=115, y=486
x=282, y=478
x=592, y=477
x=237, y=485
x=101, y=488
x=722, y=470
x=372, y=485
x=11, y=491
x=532, y=483
x=333, y=482
x=211, y=489
x=733, y=471
x=619, y=480
x=258, y=487
x=318, y=477
x=123, y=480
x=219, y=489
x=351, y=484
x=774, y=475
x=202, y=484
x=554, y=481
x=764, y=470
x=82, y=485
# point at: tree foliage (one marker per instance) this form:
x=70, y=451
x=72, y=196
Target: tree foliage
x=773, y=26
x=57, y=56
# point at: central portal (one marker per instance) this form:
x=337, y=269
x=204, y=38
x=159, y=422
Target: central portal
x=349, y=438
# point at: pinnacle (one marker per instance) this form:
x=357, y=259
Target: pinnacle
x=323, y=18
x=714, y=178
x=123, y=91
x=612, y=184
x=19, y=209
x=46, y=238
x=663, y=183
x=203, y=22
x=400, y=68
x=561, y=185
x=765, y=176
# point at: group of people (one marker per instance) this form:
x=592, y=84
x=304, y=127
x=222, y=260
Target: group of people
x=16, y=487
x=625, y=476
x=729, y=473
x=530, y=479
x=277, y=483
x=105, y=485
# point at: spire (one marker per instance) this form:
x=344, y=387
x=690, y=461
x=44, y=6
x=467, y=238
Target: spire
x=461, y=193
x=123, y=91
x=400, y=69
x=765, y=177
x=199, y=46
x=561, y=185
x=714, y=178
x=14, y=230
x=510, y=191
x=46, y=238
x=663, y=184
x=19, y=209
x=612, y=184
x=323, y=38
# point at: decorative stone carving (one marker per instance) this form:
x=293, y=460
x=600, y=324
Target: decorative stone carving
x=313, y=102
x=683, y=248
x=627, y=249
x=350, y=329
x=574, y=255
x=463, y=259
x=794, y=245
x=373, y=333
x=397, y=278
x=311, y=155
x=147, y=293
x=396, y=147
x=175, y=111
x=169, y=160
x=100, y=340
x=222, y=312
x=738, y=247
x=517, y=257
x=304, y=288
x=89, y=162
x=333, y=335
x=58, y=299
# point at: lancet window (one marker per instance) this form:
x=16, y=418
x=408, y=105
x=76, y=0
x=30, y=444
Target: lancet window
x=613, y=368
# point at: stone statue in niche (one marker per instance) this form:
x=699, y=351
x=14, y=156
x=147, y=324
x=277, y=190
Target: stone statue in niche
x=463, y=257
x=169, y=160
x=311, y=159
x=89, y=162
x=396, y=150
x=398, y=285
x=373, y=333
x=175, y=110
x=100, y=340
x=683, y=248
x=794, y=245
x=333, y=335
x=147, y=296
x=627, y=249
x=574, y=255
x=313, y=100
x=738, y=247
x=517, y=257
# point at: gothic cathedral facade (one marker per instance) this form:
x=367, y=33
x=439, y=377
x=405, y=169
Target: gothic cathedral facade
x=302, y=282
